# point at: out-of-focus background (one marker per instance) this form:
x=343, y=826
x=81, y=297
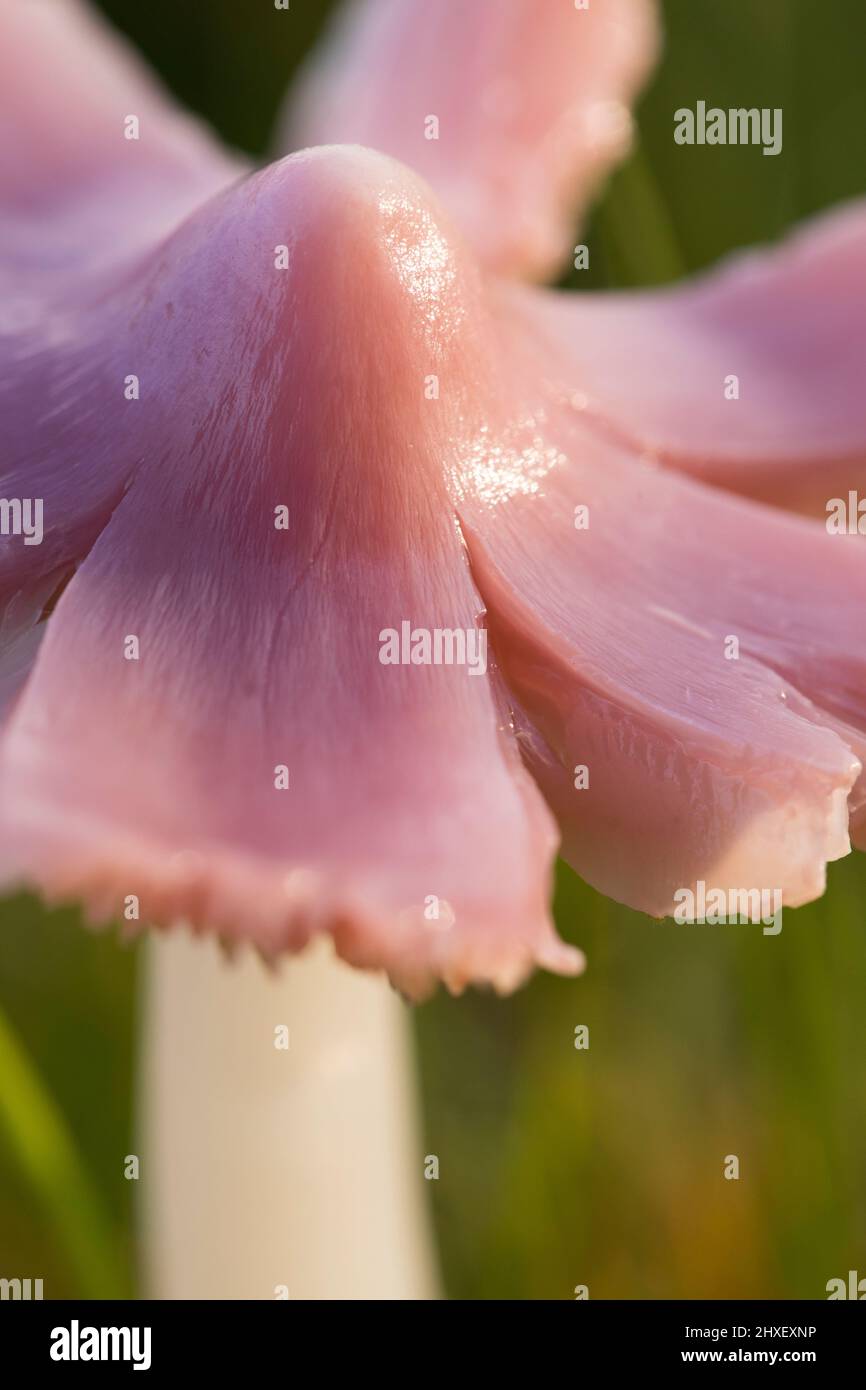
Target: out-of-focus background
x=601, y=1166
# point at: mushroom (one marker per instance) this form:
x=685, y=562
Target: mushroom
x=269, y=415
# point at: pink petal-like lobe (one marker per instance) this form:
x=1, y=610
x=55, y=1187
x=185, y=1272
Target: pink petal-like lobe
x=511, y=109
x=749, y=377
x=612, y=626
x=70, y=91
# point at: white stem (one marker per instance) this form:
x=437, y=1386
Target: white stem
x=263, y=1167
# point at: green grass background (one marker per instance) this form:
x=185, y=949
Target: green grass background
x=559, y=1167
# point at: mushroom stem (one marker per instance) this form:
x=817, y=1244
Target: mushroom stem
x=268, y=1171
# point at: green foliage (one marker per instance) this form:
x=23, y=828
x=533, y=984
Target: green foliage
x=66, y=1093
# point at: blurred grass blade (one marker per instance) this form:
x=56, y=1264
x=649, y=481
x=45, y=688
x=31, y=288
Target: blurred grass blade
x=50, y=1161
x=642, y=245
